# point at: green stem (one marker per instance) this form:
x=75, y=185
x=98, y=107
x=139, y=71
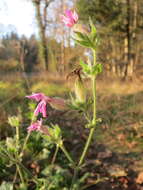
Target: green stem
x=27, y=138
x=24, y=145
x=74, y=177
x=92, y=130
x=17, y=162
x=67, y=154
x=94, y=99
x=28, y=172
x=86, y=146
x=17, y=138
x=20, y=174
x=55, y=154
x=94, y=91
x=88, y=142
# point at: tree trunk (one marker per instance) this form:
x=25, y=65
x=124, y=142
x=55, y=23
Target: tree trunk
x=62, y=42
x=128, y=49
x=43, y=50
x=135, y=36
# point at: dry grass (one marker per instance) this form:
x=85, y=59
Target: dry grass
x=117, y=87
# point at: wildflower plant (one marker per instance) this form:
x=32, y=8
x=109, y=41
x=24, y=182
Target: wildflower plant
x=80, y=102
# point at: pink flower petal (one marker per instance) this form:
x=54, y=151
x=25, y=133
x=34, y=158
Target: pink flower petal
x=36, y=96
x=58, y=103
x=35, y=126
x=41, y=108
x=75, y=16
x=70, y=19
x=69, y=13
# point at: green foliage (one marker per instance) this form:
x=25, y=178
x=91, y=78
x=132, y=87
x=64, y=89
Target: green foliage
x=105, y=13
x=89, y=40
x=56, y=178
x=6, y=186
x=54, y=135
x=7, y=89
x=9, y=65
x=91, y=70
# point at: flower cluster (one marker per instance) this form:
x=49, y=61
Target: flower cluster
x=56, y=103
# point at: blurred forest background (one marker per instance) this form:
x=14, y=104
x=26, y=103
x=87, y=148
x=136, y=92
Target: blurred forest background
x=119, y=23
x=40, y=63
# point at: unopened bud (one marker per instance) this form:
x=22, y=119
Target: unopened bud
x=80, y=91
x=81, y=28
x=10, y=143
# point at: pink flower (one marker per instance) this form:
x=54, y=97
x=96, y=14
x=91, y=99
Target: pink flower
x=41, y=107
x=37, y=96
x=35, y=126
x=56, y=103
x=70, y=18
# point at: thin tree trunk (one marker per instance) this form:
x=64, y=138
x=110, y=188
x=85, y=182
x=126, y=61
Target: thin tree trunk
x=135, y=37
x=129, y=63
x=42, y=31
x=62, y=42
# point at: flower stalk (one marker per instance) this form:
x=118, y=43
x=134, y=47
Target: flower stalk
x=88, y=142
x=67, y=154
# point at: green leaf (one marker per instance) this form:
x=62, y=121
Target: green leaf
x=96, y=69
x=93, y=28
x=85, y=67
x=81, y=36
x=57, y=131
x=55, y=134
x=84, y=43
x=94, y=38
x=6, y=186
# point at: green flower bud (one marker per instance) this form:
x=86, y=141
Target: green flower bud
x=10, y=142
x=13, y=121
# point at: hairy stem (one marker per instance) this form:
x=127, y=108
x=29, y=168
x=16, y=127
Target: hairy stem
x=67, y=154
x=20, y=174
x=26, y=139
x=17, y=138
x=74, y=177
x=55, y=154
x=92, y=130
x=24, y=145
x=91, y=133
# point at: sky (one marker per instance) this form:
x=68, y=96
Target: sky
x=19, y=15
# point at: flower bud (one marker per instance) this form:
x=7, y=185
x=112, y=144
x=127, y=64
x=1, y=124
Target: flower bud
x=14, y=121
x=81, y=28
x=10, y=144
x=80, y=91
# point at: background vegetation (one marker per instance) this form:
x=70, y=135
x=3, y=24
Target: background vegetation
x=41, y=64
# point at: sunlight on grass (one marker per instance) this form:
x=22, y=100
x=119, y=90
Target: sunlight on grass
x=50, y=89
